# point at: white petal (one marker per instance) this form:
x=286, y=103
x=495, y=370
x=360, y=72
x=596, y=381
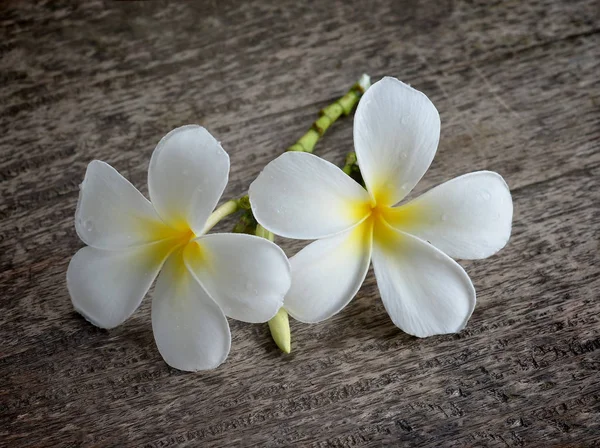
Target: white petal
x=106, y=287
x=396, y=133
x=299, y=195
x=112, y=213
x=328, y=273
x=187, y=175
x=190, y=330
x=247, y=276
x=468, y=217
x=424, y=291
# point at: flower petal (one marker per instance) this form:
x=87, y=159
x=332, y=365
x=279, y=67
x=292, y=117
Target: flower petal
x=187, y=175
x=106, y=287
x=247, y=276
x=299, y=195
x=396, y=133
x=112, y=214
x=469, y=217
x=424, y=291
x=190, y=330
x=328, y=273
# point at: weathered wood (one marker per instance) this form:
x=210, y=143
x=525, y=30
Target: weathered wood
x=517, y=87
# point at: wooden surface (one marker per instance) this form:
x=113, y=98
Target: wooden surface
x=517, y=86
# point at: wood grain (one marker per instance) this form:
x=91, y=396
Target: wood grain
x=517, y=87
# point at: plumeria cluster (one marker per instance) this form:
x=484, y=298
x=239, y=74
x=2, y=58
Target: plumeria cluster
x=203, y=278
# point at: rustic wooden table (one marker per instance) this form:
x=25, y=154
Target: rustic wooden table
x=517, y=86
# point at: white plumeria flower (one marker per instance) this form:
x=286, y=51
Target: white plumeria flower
x=203, y=278
x=425, y=292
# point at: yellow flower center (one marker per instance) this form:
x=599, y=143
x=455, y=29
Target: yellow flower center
x=380, y=217
x=173, y=239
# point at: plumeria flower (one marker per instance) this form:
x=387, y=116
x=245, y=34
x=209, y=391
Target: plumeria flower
x=202, y=279
x=425, y=292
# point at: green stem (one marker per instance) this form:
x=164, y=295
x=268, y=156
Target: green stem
x=350, y=163
x=221, y=212
x=264, y=233
x=329, y=115
x=351, y=168
x=246, y=223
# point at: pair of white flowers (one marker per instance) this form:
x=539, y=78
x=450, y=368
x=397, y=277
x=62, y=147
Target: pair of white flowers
x=206, y=277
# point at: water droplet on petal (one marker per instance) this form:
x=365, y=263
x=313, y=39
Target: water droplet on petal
x=88, y=225
x=486, y=195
